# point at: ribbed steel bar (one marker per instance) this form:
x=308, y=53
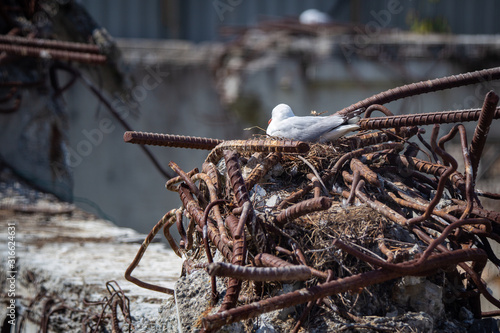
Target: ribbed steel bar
x=169, y=140
x=239, y=258
x=423, y=87
x=261, y=169
x=49, y=43
x=128, y=273
x=283, y=273
x=197, y=213
x=303, y=208
x=47, y=53
x=258, y=146
x=337, y=286
x=482, y=129
x=442, y=117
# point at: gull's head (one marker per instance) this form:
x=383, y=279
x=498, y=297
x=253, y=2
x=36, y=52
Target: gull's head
x=280, y=112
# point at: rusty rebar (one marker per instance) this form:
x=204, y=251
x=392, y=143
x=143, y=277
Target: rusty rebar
x=474, y=276
x=482, y=129
x=48, y=53
x=423, y=87
x=49, y=43
x=442, y=180
x=171, y=183
x=358, y=141
x=315, y=184
x=187, y=180
x=284, y=273
x=489, y=214
x=302, y=208
x=379, y=207
x=268, y=260
x=377, y=107
x=427, y=145
x=384, y=249
x=168, y=236
x=357, y=184
x=421, y=119
x=295, y=196
x=238, y=259
x=208, y=251
x=469, y=174
x=337, y=286
x=258, y=146
x=370, y=149
x=408, y=193
x=413, y=163
x=244, y=218
x=422, y=207
x=196, y=213
x=370, y=176
x=309, y=307
x=261, y=169
x=180, y=228
x=420, y=264
x=213, y=197
x=404, y=194
x=170, y=140
x=128, y=273
x=235, y=177
x=211, y=170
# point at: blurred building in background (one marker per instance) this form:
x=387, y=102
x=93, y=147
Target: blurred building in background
x=198, y=20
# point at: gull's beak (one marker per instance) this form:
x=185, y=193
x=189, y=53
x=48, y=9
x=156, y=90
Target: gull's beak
x=270, y=121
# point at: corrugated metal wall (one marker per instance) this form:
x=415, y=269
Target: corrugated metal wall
x=199, y=20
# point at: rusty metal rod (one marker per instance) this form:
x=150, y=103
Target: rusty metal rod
x=49, y=43
x=303, y=208
x=421, y=119
x=423, y=87
x=128, y=273
x=261, y=169
x=258, y=146
x=47, y=53
x=197, y=213
x=442, y=180
x=469, y=173
x=284, y=273
x=170, y=140
x=235, y=177
x=239, y=258
x=334, y=287
x=366, y=150
x=268, y=260
x=482, y=129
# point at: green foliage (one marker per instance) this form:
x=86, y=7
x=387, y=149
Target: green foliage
x=427, y=24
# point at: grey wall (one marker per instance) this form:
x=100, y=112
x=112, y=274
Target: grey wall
x=115, y=179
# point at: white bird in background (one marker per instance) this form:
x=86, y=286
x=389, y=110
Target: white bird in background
x=314, y=16
x=285, y=124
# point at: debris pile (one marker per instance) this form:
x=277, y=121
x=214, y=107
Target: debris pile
x=363, y=234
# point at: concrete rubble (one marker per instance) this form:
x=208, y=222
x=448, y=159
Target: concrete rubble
x=65, y=255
